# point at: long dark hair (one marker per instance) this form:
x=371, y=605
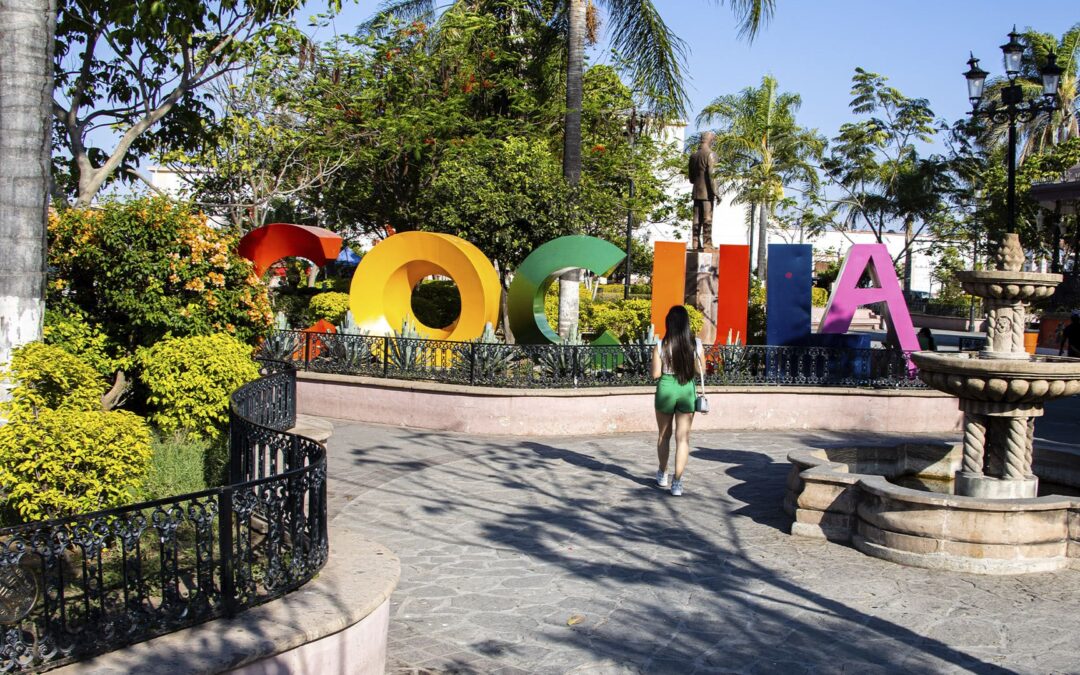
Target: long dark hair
x=678, y=344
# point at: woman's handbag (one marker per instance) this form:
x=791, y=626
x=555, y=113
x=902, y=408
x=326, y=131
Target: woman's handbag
x=701, y=404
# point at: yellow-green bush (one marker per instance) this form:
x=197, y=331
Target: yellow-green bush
x=62, y=462
x=70, y=330
x=628, y=319
x=819, y=297
x=189, y=381
x=329, y=306
x=49, y=377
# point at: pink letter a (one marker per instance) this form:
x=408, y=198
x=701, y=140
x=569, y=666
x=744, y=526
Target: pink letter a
x=847, y=297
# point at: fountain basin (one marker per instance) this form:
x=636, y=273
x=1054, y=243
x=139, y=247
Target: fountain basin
x=852, y=495
x=1035, y=379
x=1008, y=285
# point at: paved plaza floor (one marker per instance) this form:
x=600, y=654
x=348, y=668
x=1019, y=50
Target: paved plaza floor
x=560, y=556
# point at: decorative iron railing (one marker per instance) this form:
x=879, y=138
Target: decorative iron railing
x=558, y=366
x=75, y=587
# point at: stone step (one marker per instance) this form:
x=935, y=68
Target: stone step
x=315, y=428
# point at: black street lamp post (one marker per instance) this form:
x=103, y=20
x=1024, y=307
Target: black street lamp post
x=1013, y=107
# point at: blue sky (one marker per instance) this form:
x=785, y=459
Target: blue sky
x=813, y=46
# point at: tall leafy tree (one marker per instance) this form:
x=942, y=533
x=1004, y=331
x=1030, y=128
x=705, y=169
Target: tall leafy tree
x=128, y=75
x=762, y=150
x=264, y=151
x=652, y=54
x=26, y=28
x=876, y=166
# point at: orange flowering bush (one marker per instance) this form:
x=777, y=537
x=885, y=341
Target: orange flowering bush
x=147, y=269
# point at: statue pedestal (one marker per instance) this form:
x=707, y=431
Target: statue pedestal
x=989, y=487
x=701, y=289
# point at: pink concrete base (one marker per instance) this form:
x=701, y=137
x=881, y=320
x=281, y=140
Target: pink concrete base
x=360, y=649
x=559, y=412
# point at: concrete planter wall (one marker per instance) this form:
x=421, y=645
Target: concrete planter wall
x=555, y=412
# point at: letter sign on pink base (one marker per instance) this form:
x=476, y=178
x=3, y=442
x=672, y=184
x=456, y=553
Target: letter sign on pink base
x=846, y=297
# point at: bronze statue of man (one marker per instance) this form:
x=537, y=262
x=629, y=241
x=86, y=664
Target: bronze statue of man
x=701, y=176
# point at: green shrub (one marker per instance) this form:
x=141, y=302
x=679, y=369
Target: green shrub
x=62, y=462
x=436, y=303
x=755, y=314
x=819, y=297
x=147, y=269
x=189, y=381
x=330, y=306
x=216, y=462
x=49, y=377
x=177, y=466
x=293, y=303
x=70, y=331
x=628, y=319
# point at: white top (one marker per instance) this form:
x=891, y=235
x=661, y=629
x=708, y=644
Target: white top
x=665, y=365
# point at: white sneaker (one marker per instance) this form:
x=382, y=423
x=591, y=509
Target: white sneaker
x=676, y=487
x=662, y=478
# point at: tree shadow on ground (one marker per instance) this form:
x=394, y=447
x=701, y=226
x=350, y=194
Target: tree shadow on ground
x=697, y=589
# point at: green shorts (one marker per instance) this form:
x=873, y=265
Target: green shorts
x=672, y=397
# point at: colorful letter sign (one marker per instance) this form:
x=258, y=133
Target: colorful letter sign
x=525, y=301
x=668, y=281
x=733, y=288
x=847, y=296
x=788, y=295
x=380, y=296
x=268, y=244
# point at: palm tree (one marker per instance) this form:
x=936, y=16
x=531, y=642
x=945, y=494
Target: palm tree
x=1062, y=124
x=761, y=150
x=26, y=28
x=653, y=54
x=1043, y=131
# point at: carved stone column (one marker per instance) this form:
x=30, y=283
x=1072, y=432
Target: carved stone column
x=974, y=443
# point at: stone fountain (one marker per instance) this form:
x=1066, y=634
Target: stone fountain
x=1001, y=389
x=970, y=507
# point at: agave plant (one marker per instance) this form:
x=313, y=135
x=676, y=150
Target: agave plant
x=281, y=343
x=733, y=364
x=637, y=357
x=404, y=350
x=486, y=359
x=349, y=351
x=557, y=362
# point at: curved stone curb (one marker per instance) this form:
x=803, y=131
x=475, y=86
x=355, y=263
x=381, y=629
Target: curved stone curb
x=355, y=584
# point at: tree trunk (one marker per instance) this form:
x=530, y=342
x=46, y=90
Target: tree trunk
x=569, y=304
x=26, y=30
x=751, y=234
x=908, y=236
x=763, y=240
x=575, y=65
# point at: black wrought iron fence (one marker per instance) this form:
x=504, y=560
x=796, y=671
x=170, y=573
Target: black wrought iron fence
x=75, y=587
x=557, y=366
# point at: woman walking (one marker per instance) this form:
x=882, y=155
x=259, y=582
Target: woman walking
x=676, y=360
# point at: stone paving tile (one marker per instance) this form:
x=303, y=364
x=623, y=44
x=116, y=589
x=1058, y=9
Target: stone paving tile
x=560, y=556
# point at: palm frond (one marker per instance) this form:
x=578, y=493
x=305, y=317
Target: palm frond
x=753, y=15
x=400, y=10
x=654, y=54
